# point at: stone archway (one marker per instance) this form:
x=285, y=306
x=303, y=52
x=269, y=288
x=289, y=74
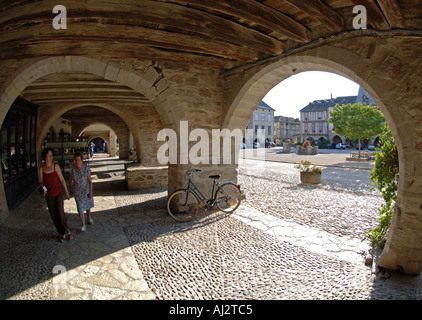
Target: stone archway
x=150, y=82
x=392, y=84
x=100, y=131
x=336, y=139
x=142, y=138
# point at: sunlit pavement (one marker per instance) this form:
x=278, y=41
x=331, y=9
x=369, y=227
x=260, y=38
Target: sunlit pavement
x=270, y=248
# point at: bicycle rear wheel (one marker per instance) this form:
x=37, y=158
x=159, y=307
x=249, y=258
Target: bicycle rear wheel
x=228, y=197
x=182, y=205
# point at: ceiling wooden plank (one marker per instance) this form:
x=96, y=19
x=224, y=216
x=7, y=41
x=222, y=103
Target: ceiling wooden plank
x=104, y=47
x=161, y=14
x=320, y=11
x=392, y=12
x=255, y=12
x=136, y=35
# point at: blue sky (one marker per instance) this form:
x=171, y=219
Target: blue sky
x=294, y=93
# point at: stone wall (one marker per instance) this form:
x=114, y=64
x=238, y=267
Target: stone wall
x=139, y=177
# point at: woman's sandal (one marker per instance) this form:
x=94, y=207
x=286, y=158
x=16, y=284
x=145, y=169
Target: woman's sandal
x=62, y=238
x=69, y=236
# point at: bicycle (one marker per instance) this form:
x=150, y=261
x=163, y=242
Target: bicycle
x=183, y=204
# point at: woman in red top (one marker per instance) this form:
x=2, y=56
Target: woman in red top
x=50, y=177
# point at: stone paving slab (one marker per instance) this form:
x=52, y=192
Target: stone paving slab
x=314, y=240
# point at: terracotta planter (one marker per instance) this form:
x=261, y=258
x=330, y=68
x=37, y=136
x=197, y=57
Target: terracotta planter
x=310, y=177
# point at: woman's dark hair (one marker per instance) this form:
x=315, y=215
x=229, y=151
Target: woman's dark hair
x=44, y=153
x=78, y=154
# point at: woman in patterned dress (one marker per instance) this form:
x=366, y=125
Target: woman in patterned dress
x=80, y=184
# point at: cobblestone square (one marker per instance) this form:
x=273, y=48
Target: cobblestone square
x=286, y=241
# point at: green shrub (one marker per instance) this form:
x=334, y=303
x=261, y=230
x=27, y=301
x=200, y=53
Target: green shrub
x=385, y=177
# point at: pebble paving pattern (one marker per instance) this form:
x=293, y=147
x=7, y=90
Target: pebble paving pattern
x=135, y=251
x=210, y=259
x=207, y=259
x=25, y=278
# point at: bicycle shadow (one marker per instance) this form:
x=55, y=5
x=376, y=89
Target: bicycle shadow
x=164, y=226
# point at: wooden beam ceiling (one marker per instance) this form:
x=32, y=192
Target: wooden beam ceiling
x=66, y=88
x=321, y=12
x=89, y=114
x=214, y=33
x=392, y=13
x=253, y=12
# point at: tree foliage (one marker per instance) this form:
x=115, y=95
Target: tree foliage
x=356, y=121
x=385, y=176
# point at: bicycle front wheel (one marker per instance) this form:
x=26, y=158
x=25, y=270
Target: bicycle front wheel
x=228, y=197
x=182, y=205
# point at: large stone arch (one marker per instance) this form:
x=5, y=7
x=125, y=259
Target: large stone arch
x=48, y=114
x=150, y=82
x=105, y=132
x=381, y=70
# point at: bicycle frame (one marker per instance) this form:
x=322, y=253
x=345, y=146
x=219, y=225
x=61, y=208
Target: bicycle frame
x=198, y=194
x=220, y=197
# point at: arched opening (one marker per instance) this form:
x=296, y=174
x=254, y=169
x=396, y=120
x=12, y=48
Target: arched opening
x=336, y=139
x=99, y=145
x=260, y=82
x=60, y=86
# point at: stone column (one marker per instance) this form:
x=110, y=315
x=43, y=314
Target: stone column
x=112, y=145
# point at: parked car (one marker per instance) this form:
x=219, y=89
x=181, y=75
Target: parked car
x=371, y=146
x=340, y=146
x=269, y=144
x=357, y=146
x=243, y=145
x=256, y=145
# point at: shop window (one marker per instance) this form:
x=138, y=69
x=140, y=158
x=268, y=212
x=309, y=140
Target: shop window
x=18, y=154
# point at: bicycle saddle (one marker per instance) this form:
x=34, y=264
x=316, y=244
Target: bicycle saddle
x=216, y=176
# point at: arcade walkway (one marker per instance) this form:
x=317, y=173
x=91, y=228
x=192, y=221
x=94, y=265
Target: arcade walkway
x=135, y=251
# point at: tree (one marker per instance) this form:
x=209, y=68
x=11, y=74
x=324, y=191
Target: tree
x=356, y=122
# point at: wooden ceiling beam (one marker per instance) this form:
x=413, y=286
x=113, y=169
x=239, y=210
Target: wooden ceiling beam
x=106, y=47
x=321, y=12
x=392, y=13
x=134, y=35
x=158, y=15
x=54, y=101
x=258, y=13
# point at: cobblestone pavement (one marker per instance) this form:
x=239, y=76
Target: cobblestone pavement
x=286, y=241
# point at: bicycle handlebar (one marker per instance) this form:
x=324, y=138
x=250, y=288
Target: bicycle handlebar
x=190, y=171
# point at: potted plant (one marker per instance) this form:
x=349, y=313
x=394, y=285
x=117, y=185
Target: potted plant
x=309, y=173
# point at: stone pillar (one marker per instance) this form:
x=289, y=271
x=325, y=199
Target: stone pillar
x=112, y=145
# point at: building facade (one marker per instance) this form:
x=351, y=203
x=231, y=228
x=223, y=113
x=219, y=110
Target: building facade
x=260, y=125
x=286, y=129
x=314, y=117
